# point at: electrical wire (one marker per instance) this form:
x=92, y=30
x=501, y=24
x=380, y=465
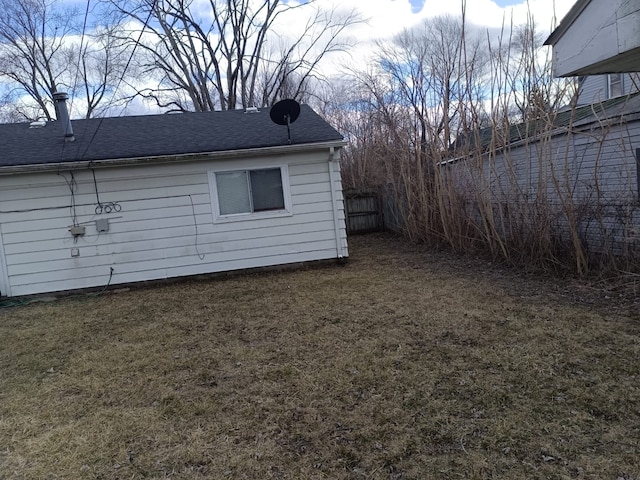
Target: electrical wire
x=58, y=207
x=27, y=210
x=70, y=184
x=72, y=205
x=75, y=84
x=103, y=207
x=101, y=291
x=126, y=67
x=84, y=29
x=112, y=206
x=108, y=208
x=80, y=156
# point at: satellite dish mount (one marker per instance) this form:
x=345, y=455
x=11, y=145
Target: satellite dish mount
x=285, y=112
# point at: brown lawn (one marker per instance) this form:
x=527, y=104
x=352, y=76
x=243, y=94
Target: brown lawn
x=402, y=364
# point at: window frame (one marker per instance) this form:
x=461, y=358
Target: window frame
x=610, y=85
x=244, y=216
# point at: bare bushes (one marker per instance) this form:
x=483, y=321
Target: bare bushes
x=468, y=143
x=546, y=201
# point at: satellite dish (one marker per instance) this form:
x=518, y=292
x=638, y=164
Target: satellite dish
x=285, y=112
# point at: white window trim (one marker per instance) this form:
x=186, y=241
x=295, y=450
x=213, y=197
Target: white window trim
x=241, y=217
x=610, y=85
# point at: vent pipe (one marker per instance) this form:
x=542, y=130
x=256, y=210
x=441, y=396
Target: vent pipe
x=62, y=115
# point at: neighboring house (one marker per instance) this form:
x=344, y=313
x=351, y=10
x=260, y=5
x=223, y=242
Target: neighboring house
x=577, y=171
x=598, y=88
x=597, y=37
x=579, y=168
x=151, y=197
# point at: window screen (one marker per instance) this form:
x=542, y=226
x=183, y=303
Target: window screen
x=233, y=192
x=248, y=191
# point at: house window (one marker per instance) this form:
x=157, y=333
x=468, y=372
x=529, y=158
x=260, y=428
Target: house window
x=614, y=85
x=242, y=194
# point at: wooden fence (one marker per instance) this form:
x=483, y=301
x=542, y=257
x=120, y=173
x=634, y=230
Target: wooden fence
x=364, y=213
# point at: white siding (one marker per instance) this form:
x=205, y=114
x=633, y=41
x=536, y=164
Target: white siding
x=605, y=37
x=164, y=228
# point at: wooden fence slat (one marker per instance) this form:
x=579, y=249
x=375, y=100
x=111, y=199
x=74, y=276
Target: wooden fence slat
x=363, y=213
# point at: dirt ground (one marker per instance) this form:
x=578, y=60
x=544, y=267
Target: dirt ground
x=620, y=292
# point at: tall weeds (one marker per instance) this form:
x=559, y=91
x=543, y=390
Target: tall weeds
x=474, y=146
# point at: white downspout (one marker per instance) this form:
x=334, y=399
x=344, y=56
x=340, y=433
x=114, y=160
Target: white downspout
x=5, y=286
x=334, y=202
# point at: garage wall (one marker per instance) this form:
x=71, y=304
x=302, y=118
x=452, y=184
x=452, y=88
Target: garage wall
x=160, y=224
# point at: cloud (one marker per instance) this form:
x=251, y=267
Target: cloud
x=383, y=19
x=386, y=18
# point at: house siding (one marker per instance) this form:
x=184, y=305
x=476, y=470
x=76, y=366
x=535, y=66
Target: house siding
x=599, y=37
x=594, y=88
x=590, y=172
x=164, y=227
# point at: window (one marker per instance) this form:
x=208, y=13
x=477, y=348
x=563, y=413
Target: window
x=614, y=84
x=252, y=192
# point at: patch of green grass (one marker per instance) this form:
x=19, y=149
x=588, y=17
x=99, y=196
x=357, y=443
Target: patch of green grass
x=402, y=364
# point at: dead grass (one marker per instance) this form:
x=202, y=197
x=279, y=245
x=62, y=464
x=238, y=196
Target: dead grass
x=400, y=365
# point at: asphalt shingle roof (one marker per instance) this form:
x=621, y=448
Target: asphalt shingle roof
x=579, y=116
x=157, y=135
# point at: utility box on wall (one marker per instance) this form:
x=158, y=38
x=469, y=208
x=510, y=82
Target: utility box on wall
x=102, y=225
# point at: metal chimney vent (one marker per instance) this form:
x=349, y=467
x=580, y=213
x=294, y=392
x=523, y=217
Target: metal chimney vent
x=60, y=101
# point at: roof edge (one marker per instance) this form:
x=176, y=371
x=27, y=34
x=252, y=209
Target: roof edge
x=186, y=157
x=566, y=22
x=579, y=125
x=603, y=67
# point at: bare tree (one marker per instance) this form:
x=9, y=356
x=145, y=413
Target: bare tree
x=42, y=51
x=292, y=71
x=363, y=108
x=528, y=73
x=101, y=66
x=437, y=71
x=218, y=58
x=32, y=35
